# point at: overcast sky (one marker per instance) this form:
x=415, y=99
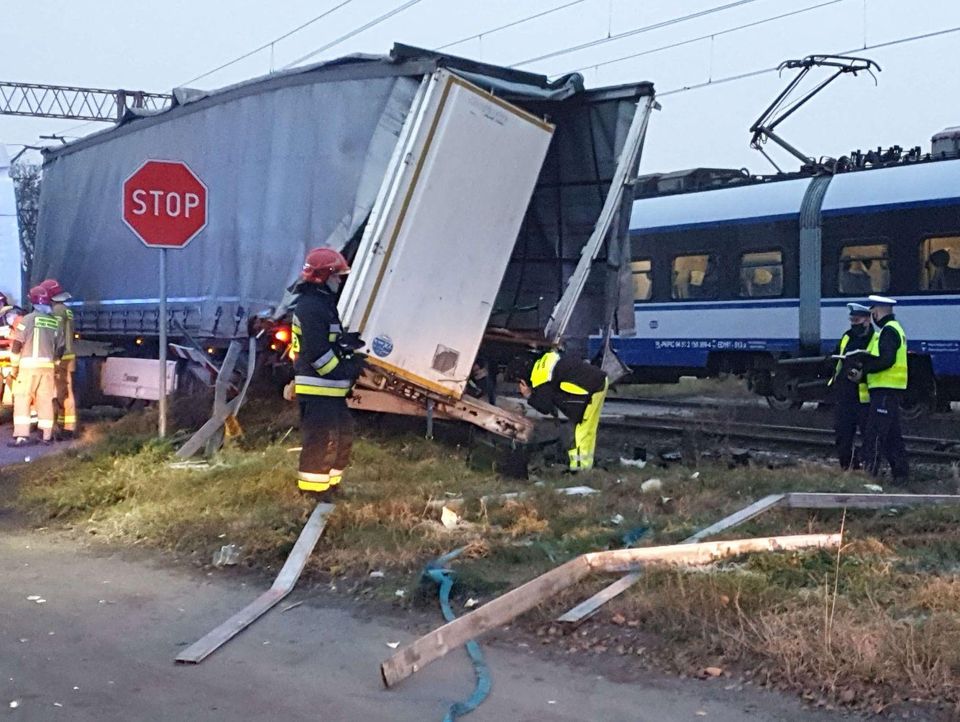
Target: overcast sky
x=156, y=46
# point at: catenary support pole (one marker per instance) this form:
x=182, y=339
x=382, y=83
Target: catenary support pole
x=162, y=321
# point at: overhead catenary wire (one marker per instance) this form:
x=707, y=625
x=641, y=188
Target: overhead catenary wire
x=636, y=31
x=356, y=31
x=521, y=21
x=681, y=43
x=256, y=50
x=773, y=69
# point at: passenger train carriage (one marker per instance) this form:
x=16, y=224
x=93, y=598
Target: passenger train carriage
x=739, y=278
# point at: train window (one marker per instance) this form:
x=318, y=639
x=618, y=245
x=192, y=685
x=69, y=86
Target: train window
x=940, y=264
x=695, y=276
x=642, y=279
x=761, y=274
x=864, y=270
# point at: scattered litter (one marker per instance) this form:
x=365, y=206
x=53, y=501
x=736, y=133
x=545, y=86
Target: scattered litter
x=449, y=518
x=400, y=593
x=551, y=701
x=377, y=574
x=26, y=459
x=618, y=619
x=638, y=463
x=57, y=704
x=41, y=601
x=295, y=448
x=194, y=465
x=616, y=519
x=651, y=485
x=695, y=475
x=393, y=645
x=291, y=606
x=701, y=713
x=876, y=488
x=266, y=642
x=221, y=536
x=14, y=704
x=23, y=639
x=578, y=491
x=33, y=597
x=471, y=603
x=713, y=671
x=228, y=555
x=76, y=689
x=671, y=455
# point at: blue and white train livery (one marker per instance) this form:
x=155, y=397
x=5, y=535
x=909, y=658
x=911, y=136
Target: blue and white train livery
x=738, y=278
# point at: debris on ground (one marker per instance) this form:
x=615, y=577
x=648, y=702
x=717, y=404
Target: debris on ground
x=227, y=556
x=449, y=518
x=636, y=463
x=651, y=486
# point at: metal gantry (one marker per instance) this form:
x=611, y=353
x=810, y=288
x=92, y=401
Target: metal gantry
x=70, y=103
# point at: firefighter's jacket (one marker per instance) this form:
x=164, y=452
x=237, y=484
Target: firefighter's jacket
x=37, y=341
x=65, y=316
x=568, y=387
x=322, y=365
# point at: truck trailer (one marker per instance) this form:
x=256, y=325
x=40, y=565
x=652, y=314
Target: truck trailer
x=467, y=196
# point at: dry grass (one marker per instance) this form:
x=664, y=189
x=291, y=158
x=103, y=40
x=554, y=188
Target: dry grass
x=878, y=622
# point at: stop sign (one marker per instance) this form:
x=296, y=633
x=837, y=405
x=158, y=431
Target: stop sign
x=165, y=203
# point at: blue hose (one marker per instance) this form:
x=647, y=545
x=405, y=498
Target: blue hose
x=438, y=572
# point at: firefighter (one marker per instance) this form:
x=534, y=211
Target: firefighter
x=577, y=390
x=852, y=399
x=885, y=370
x=66, y=425
x=37, y=347
x=326, y=367
x=9, y=314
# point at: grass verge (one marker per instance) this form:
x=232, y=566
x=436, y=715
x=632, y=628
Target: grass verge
x=879, y=624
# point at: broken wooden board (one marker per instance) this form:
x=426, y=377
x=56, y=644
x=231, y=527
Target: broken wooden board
x=282, y=586
x=589, y=607
x=222, y=409
x=507, y=607
x=811, y=500
x=792, y=500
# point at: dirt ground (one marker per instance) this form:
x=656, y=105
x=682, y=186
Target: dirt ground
x=101, y=647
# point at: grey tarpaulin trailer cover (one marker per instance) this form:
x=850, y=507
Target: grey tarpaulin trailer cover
x=295, y=160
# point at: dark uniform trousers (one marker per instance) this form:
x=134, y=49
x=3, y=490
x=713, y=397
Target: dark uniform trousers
x=882, y=436
x=327, y=429
x=849, y=415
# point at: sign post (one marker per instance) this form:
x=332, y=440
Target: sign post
x=165, y=205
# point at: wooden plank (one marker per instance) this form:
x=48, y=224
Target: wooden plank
x=805, y=500
x=618, y=560
x=282, y=586
x=505, y=608
x=589, y=607
x=221, y=410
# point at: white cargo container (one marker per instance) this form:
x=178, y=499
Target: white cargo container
x=440, y=236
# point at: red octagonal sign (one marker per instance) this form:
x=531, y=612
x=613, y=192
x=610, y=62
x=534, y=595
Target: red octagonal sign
x=165, y=203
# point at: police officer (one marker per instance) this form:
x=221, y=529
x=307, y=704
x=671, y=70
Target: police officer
x=65, y=370
x=326, y=367
x=885, y=369
x=852, y=399
x=37, y=347
x=577, y=390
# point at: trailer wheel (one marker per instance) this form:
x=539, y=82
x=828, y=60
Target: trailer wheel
x=783, y=404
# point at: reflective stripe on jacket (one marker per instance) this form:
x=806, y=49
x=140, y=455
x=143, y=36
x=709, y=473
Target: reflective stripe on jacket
x=38, y=341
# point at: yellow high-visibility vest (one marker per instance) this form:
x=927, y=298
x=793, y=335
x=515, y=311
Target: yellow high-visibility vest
x=862, y=391
x=894, y=377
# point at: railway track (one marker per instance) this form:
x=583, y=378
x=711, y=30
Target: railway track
x=918, y=447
